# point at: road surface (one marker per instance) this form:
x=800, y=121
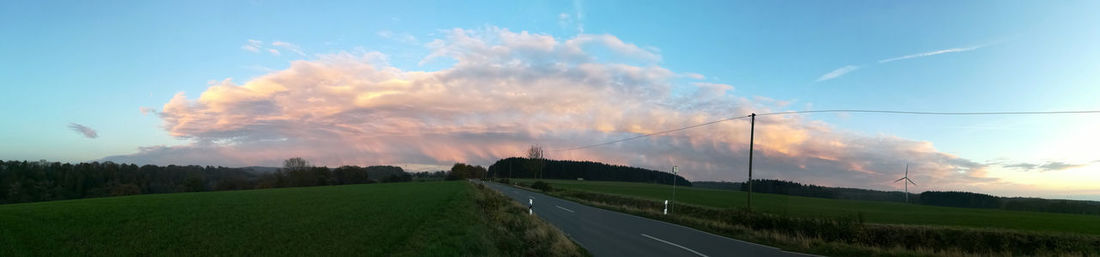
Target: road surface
x=609, y=233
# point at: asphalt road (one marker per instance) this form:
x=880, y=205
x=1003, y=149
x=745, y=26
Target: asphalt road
x=609, y=233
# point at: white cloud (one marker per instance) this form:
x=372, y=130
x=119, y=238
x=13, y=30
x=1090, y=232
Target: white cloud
x=937, y=52
x=615, y=44
x=838, y=72
x=274, y=52
x=83, y=130
x=289, y=47
x=253, y=46
x=508, y=90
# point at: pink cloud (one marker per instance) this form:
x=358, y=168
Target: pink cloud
x=508, y=90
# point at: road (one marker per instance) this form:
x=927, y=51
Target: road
x=609, y=233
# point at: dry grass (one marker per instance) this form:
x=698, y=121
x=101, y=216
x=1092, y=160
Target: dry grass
x=509, y=221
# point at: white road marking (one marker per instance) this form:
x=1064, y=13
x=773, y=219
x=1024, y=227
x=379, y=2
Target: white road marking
x=563, y=208
x=676, y=245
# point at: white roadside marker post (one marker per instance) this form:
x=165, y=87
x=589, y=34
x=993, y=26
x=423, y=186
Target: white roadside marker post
x=530, y=206
x=666, y=207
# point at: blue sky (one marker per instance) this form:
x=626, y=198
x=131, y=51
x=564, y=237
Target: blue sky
x=96, y=63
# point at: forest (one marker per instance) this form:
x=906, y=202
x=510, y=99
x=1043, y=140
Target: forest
x=23, y=181
x=517, y=167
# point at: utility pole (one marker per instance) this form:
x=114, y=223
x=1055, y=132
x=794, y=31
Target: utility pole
x=752, y=132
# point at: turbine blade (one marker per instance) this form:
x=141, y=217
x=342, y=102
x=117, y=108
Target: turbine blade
x=896, y=181
x=910, y=181
x=907, y=170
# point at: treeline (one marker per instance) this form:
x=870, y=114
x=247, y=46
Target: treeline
x=736, y=186
x=793, y=188
x=22, y=181
x=976, y=200
x=948, y=199
x=466, y=171
x=771, y=186
x=516, y=167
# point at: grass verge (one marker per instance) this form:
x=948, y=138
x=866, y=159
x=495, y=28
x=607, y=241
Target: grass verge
x=519, y=234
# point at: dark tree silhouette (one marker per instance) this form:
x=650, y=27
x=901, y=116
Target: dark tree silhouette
x=23, y=181
x=465, y=171
x=587, y=170
x=536, y=160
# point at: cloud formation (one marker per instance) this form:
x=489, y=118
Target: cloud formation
x=508, y=90
x=83, y=130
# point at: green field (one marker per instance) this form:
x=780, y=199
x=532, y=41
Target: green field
x=873, y=211
x=400, y=219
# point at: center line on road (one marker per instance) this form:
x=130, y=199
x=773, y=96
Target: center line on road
x=676, y=245
x=563, y=208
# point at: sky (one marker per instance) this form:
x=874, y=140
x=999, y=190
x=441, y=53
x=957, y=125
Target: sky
x=425, y=84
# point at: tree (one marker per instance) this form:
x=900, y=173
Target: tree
x=296, y=163
x=535, y=157
x=299, y=173
x=466, y=171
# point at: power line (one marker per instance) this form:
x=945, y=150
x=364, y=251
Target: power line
x=931, y=113
x=827, y=111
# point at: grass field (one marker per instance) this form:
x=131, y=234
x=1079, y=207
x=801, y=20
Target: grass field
x=399, y=219
x=873, y=211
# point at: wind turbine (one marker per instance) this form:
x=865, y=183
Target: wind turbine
x=906, y=178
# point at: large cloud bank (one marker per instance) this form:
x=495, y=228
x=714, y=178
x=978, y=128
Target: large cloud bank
x=508, y=90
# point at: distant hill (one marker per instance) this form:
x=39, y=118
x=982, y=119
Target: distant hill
x=558, y=169
x=936, y=198
x=735, y=186
x=259, y=170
